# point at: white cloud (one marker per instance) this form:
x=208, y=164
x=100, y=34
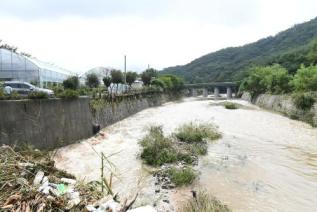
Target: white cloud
x=176, y=33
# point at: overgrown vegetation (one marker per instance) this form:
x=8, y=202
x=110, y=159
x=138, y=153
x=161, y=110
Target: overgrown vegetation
x=276, y=80
x=304, y=101
x=183, y=146
x=68, y=94
x=270, y=79
x=182, y=176
x=38, y=95
x=203, y=202
x=195, y=133
x=157, y=149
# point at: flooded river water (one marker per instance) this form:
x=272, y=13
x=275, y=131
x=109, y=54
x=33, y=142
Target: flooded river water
x=264, y=161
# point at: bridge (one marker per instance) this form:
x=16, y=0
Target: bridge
x=216, y=87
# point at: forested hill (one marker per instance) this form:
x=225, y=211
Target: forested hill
x=289, y=48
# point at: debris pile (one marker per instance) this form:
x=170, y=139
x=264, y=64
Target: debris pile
x=30, y=182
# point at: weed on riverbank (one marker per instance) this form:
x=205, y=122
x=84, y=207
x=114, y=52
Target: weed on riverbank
x=196, y=133
x=182, y=176
x=203, y=202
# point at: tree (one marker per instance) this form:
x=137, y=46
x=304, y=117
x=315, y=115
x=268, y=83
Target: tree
x=71, y=83
x=172, y=82
x=107, y=81
x=147, y=76
x=92, y=80
x=272, y=79
x=116, y=77
x=131, y=77
x=306, y=79
x=312, y=54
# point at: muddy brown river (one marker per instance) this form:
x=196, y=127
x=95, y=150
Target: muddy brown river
x=264, y=161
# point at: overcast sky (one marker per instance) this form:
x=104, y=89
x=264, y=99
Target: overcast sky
x=82, y=34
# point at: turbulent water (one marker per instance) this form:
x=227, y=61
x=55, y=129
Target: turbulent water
x=264, y=162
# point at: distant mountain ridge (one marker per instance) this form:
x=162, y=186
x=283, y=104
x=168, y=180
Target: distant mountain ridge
x=231, y=63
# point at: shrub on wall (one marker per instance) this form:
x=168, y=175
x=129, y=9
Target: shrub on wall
x=69, y=94
x=304, y=101
x=38, y=95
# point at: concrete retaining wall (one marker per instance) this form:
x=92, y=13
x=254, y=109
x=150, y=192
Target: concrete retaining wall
x=284, y=104
x=51, y=123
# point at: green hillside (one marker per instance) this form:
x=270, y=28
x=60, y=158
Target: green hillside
x=290, y=48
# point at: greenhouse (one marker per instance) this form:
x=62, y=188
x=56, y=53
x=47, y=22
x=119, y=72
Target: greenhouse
x=14, y=66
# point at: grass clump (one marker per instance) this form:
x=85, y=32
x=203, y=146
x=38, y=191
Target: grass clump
x=183, y=176
x=202, y=202
x=230, y=106
x=196, y=133
x=157, y=149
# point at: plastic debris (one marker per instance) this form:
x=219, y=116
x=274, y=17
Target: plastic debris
x=61, y=188
x=111, y=205
x=38, y=178
x=147, y=208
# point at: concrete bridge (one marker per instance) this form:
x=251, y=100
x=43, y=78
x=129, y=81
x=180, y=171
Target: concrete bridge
x=213, y=87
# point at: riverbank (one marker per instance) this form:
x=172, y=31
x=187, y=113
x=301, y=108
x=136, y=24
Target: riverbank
x=285, y=105
x=52, y=123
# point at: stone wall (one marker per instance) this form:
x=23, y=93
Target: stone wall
x=283, y=104
x=51, y=123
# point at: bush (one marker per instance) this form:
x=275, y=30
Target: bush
x=71, y=83
x=158, y=83
x=192, y=133
x=69, y=94
x=204, y=203
x=172, y=82
x=2, y=95
x=38, y=95
x=84, y=91
x=182, y=176
x=230, y=106
x=157, y=149
x=305, y=79
x=304, y=101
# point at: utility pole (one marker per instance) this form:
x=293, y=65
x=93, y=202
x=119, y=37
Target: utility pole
x=125, y=69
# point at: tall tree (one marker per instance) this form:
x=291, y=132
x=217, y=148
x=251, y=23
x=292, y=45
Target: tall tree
x=147, y=76
x=131, y=77
x=116, y=77
x=92, y=80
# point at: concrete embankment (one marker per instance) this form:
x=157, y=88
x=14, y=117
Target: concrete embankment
x=52, y=123
x=285, y=105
